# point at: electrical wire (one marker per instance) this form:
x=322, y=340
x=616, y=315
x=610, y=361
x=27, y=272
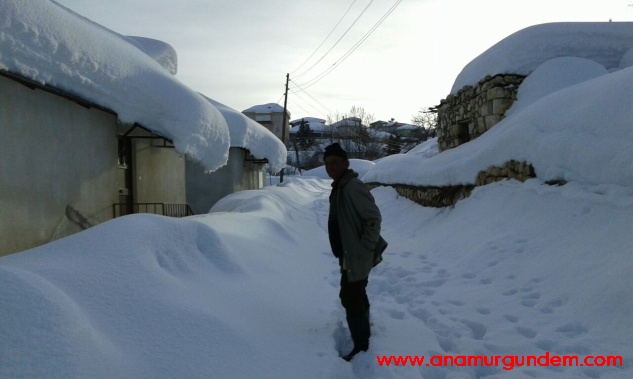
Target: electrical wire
x=326, y=38
x=312, y=97
x=299, y=106
x=316, y=79
x=307, y=103
x=339, y=40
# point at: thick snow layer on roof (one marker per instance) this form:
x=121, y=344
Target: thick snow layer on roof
x=407, y=127
x=379, y=134
x=49, y=44
x=582, y=133
x=251, y=135
x=265, y=108
x=555, y=74
x=160, y=51
x=520, y=53
x=308, y=119
x=315, y=126
x=350, y=121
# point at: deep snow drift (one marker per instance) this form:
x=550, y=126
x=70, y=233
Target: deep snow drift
x=251, y=289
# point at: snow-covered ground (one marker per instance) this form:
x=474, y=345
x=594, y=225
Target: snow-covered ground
x=250, y=290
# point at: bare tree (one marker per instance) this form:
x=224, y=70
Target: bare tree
x=351, y=131
x=427, y=120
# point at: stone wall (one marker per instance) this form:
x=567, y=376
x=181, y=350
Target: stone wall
x=512, y=169
x=448, y=196
x=474, y=110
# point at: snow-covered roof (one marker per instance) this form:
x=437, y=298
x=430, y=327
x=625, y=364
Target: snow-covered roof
x=160, y=51
x=308, y=119
x=49, y=44
x=350, y=121
x=265, y=108
x=574, y=127
x=251, y=135
x=380, y=134
x=520, y=53
x=316, y=125
x=407, y=127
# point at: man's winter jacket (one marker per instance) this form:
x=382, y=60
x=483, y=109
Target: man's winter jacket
x=353, y=209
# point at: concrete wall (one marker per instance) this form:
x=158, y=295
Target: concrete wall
x=58, y=166
x=240, y=174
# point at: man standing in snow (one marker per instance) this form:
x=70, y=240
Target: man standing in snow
x=354, y=231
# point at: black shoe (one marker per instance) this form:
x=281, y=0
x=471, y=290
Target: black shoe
x=352, y=353
x=360, y=330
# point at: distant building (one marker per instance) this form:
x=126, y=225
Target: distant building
x=317, y=126
x=271, y=116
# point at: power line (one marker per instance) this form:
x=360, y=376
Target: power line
x=308, y=103
x=280, y=97
x=299, y=106
x=326, y=38
x=304, y=101
x=336, y=43
x=316, y=79
x=310, y=96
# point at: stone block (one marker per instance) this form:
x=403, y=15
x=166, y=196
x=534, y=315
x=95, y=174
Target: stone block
x=497, y=93
x=500, y=106
x=492, y=120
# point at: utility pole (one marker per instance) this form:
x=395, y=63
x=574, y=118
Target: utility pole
x=283, y=125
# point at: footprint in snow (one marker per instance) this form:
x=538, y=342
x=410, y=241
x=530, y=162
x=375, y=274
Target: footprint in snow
x=511, y=318
x=456, y=302
x=433, y=283
x=483, y=311
x=572, y=330
x=551, y=305
x=478, y=329
x=526, y=332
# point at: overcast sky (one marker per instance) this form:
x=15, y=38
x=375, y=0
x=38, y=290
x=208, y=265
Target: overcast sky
x=239, y=51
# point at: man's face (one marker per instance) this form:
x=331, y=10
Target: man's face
x=336, y=166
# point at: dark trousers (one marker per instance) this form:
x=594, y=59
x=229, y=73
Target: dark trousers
x=354, y=296
x=354, y=299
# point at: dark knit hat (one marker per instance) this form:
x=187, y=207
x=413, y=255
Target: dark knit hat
x=335, y=149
